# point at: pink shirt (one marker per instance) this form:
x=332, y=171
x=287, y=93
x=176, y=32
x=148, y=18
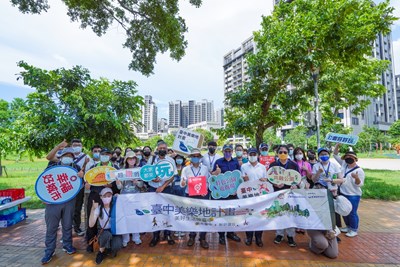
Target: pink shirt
x=301, y=164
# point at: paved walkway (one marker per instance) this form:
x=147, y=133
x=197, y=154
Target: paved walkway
x=380, y=164
x=378, y=244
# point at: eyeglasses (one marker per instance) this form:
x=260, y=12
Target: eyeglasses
x=282, y=152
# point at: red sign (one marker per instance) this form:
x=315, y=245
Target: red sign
x=197, y=186
x=266, y=160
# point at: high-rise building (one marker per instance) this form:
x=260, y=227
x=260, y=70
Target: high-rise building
x=149, y=116
x=183, y=114
x=175, y=117
x=219, y=116
x=163, y=125
x=397, y=82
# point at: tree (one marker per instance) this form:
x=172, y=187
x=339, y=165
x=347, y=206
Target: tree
x=4, y=130
x=301, y=39
x=208, y=136
x=68, y=104
x=297, y=136
x=151, y=27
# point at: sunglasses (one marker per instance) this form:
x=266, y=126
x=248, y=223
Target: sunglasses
x=282, y=152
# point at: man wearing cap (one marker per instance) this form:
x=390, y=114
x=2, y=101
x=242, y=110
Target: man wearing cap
x=325, y=172
x=239, y=154
x=105, y=156
x=353, y=179
x=54, y=213
x=195, y=169
x=211, y=156
x=222, y=165
x=162, y=185
x=251, y=171
x=264, y=158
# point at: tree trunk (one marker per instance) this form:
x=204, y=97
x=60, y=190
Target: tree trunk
x=260, y=135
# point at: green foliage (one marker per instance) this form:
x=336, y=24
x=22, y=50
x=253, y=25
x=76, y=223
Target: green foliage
x=69, y=104
x=369, y=138
x=300, y=39
x=207, y=135
x=297, y=136
x=151, y=27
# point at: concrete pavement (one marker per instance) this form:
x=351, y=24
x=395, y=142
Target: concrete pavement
x=380, y=164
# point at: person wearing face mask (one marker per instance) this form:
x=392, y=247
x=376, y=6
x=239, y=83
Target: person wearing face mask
x=350, y=187
x=301, y=161
x=177, y=190
x=211, y=156
x=100, y=213
x=116, y=158
x=105, y=156
x=285, y=162
x=162, y=185
x=245, y=158
x=63, y=212
x=139, y=156
x=222, y=165
x=251, y=171
x=195, y=169
x=325, y=172
x=264, y=158
x=291, y=151
x=239, y=153
x=131, y=187
x=147, y=157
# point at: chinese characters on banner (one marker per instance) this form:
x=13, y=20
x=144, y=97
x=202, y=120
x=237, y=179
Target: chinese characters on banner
x=97, y=175
x=123, y=175
x=279, y=175
x=186, y=140
x=163, y=169
x=224, y=184
x=342, y=138
x=197, y=186
x=149, y=212
x=254, y=188
x=58, y=184
x=266, y=160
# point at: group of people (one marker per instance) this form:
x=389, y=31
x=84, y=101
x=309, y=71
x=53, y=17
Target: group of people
x=340, y=176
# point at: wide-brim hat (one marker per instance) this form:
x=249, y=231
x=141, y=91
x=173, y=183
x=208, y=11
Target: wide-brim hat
x=67, y=150
x=130, y=154
x=350, y=153
x=194, y=152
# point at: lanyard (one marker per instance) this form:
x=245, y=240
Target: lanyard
x=195, y=175
x=327, y=170
x=209, y=159
x=347, y=172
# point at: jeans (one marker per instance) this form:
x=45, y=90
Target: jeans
x=352, y=220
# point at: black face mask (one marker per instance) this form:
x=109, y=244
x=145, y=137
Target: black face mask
x=113, y=159
x=118, y=153
x=349, y=160
x=146, y=153
x=162, y=153
x=311, y=157
x=211, y=150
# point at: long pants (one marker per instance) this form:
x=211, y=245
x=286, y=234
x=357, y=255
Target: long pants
x=167, y=190
x=319, y=244
x=78, y=208
x=53, y=214
x=289, y=231
x=91, y=231
x=222, y=234
x=201, y=234
x=257, y=234
x=352, y=219
x=110, y=241
x=126, y=237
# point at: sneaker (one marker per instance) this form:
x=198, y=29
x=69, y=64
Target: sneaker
x=176, y=234
x=89, y=249
x=137, y=241
x=69, y=250
x=278, y=239
x=124, y=244
x=351, y=233
x=291, y=241
x=99, y=257
x=344, y=229
x=79, y=232
x=47, y=258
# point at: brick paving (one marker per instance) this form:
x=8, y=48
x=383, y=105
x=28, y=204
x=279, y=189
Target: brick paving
x=378, y=244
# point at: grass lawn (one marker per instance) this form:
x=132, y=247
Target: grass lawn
x=384, y=185
x=385, y=154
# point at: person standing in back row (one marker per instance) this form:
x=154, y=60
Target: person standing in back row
x=211, y=156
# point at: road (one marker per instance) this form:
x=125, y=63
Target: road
x=380, y=164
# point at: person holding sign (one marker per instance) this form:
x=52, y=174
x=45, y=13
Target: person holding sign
x=191, y=172
x=162, y=185
x=353, y=180
x=64, y=212
x=264, y=158
x=100, y=213
x=253, y=170
x=211, y=157
x=286, y=163
x=222, y=165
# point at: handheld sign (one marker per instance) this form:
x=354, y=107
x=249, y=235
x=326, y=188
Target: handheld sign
x=186, y=140
x=266, y=160
x=254, y=188
x=197, y=186
x=97, y=175
x=163, y=169
x=58, y=184
x=224, y=184
x=342, y=138
x=279, y=175
x=123, y=175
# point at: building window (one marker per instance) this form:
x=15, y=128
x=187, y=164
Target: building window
x=340, y=115
x=354, y=121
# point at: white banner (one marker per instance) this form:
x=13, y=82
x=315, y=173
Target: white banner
x=149, y=212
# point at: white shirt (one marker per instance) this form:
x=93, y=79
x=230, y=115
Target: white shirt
x=329, y=170
x=82, y=160
x=191, y=171
x=157, y=159
x=254, y=172
x=349, y=186
x=103, y=220
x=209, y=161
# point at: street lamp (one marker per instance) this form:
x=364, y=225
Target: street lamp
x=315, y=74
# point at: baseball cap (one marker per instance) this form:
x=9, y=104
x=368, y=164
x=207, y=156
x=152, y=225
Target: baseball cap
x=105, y=191
x=323, y=149
x=263, y=145
x=212, y=143
x=227, y=146
x=252, y=150
x=67, y=150
x=105, y=150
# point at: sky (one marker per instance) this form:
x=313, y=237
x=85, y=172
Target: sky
x=51, y=41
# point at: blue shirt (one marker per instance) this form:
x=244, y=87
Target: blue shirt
x=225, y=165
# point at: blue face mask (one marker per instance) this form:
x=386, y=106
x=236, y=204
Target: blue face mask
x=179, y=161
x=239, y=153
x=139, y=157
x=264, y=153
x=96, y=155
x=195, y=160
x=324, y=158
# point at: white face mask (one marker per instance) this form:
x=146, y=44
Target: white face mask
x=66, y=160
x=104, y=158
x=106, y=200
x=253, y=159
x=299, y=156
x=77, y=149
